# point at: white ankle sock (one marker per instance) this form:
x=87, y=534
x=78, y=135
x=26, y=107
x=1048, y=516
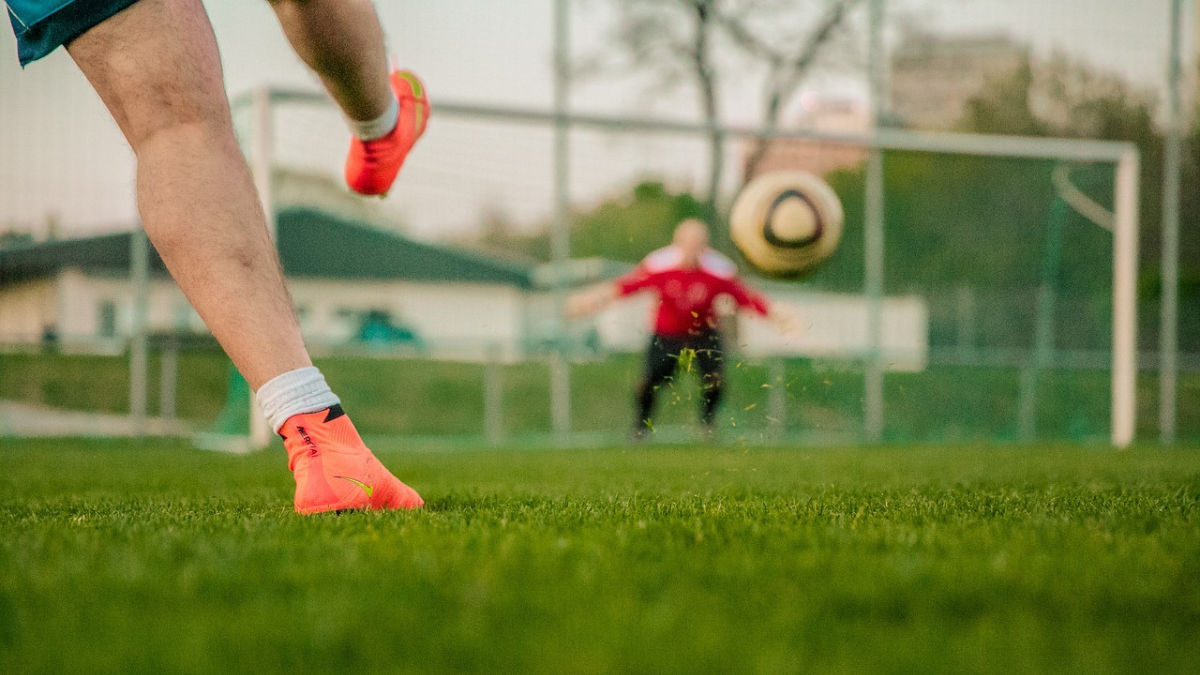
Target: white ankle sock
x=369, y=130
x=303, y=390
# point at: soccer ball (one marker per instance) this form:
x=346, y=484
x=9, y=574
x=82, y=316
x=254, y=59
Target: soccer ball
x=786, y=223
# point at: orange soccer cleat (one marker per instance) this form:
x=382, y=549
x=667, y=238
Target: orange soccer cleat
x=371, y=166
x=335, y=471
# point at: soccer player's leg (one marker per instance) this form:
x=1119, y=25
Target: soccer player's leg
x=342, y=41
x=662, y=356
x=156, y=67
x=711, y=362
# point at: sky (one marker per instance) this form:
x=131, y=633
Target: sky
x=61, y=155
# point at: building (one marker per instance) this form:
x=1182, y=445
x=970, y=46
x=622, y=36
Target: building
x=374, y=291
x=366, y=287
x=933, y=76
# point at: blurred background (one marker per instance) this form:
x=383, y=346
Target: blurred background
x=568, y=139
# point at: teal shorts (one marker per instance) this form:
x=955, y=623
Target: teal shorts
x=43, y=25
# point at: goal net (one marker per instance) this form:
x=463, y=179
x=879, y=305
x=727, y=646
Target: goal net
x=1003, y=305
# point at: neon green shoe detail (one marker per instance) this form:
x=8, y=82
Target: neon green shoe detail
x=366, y=488
x=412, y=82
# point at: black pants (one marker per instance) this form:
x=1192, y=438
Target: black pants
x=700, y=354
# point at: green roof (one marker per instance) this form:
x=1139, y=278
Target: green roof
x=108, y=252
x=315, y=244
x=311, y=244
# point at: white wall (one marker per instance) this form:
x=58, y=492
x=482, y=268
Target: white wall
x=459, y=321
x=81, y=297
x=71, y=302
x=453, y=320
x=835, y=326
x=26, y=309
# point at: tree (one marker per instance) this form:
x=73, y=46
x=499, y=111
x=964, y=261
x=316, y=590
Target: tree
x=674, y=39
x=1062, y=98
x=788, y=61
x=625, y=227
x=694, y=41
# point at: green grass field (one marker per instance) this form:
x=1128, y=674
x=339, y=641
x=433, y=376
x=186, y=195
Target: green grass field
x=990, y=559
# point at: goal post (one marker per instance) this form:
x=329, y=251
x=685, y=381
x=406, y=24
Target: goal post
x=1123, y=157
x=1125, y=271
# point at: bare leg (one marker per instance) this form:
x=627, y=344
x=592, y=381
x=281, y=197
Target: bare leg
x=156, y=67
x=342, y=41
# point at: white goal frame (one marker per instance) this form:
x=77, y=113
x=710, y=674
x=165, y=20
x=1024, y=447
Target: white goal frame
x=1123, y=155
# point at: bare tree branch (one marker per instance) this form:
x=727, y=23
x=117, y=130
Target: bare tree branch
x=680, y=39
x=786, y=73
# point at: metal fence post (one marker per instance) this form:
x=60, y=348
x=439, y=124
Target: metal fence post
x=1168, y=349
x=777, y=396
x=168, y=378
x=139, y=273
x=560, y=371
x=873, y=247
x=493, y=396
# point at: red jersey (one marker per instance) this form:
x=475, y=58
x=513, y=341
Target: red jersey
x=686, y=295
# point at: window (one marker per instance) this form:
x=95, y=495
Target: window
x=106, y=319
x=303, y=316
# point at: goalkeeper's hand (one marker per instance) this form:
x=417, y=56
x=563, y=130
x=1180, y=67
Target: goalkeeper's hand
x=785, y=320
x=590, y=301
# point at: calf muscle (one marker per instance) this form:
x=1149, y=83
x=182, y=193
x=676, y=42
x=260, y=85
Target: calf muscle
x=155, y=66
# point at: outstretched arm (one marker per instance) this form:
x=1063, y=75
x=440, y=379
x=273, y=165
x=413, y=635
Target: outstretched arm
x=782, y=317
x=591, y=301
x=785, y=320
x=595, y=299
x=746, y=297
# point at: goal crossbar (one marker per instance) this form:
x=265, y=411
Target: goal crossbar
x=1025, y=147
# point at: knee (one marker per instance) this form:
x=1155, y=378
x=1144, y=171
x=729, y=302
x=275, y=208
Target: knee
x=167, y=95
x=166, y=111
x=181, y=88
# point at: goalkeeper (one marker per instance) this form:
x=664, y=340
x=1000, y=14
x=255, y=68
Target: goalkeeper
x=688, y=277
